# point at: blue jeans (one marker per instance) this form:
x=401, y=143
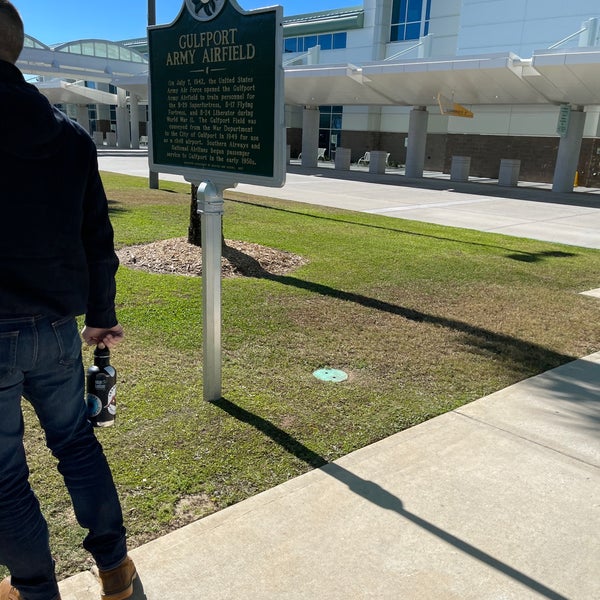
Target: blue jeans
x=40, y=360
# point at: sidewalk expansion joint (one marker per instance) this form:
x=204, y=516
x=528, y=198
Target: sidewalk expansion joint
x=526, y=439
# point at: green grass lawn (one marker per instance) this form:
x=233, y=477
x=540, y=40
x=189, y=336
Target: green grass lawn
x=423, y=318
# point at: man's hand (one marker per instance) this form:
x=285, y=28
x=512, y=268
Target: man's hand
x=107, y=337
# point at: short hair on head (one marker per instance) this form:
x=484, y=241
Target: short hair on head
x=12, y=33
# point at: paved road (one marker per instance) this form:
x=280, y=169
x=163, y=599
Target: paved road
x=530, y=210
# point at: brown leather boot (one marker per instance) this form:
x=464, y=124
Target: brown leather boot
x=117, y=583
x=8, y=592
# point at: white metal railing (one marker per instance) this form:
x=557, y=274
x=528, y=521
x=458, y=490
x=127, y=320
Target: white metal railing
x=291, y=61
x=590, y=39
x=311, y=56
x=405, y=51
x=569, y=37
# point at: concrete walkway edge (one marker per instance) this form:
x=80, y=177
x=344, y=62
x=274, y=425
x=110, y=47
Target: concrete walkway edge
x=498, y=499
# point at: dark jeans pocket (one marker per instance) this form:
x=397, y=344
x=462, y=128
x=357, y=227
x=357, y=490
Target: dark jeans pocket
x=69, y=342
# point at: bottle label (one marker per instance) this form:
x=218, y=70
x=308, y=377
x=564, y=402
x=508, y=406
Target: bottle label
x=94, y=405
x=111, y=407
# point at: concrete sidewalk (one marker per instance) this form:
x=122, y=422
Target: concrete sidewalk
x=497, y=500
x=530, y=210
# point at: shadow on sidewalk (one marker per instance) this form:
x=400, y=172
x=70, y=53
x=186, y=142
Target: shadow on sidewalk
x=377, y=495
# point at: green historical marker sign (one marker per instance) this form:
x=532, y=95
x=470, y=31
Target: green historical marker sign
x=216, y=94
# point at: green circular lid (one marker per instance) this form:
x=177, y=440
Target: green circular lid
x=330, y=375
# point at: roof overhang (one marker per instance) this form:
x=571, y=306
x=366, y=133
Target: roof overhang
x=137, y=85
x=549, y=78
x=61, y=92
x=330, y=84
x=46, y=62
x=568, y=77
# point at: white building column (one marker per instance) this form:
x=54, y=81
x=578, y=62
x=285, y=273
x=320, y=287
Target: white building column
x=417, y=139
x=135, y=121
x=83, y=117
x=310, y=136
x=568, y=153
x=123, y=135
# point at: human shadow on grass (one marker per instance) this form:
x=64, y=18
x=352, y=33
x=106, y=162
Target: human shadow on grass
x=521, y=255
x=376, y=494
x=533, y=357
x=116, y=207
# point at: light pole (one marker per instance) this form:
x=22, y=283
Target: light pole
x=151, y=12
x=152, y=175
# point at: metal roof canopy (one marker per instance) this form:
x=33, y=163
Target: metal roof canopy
x=62, y=92
x=41, y=61
x=471, y=80
x=330, y=85
x=568, y=77
x=549, y=77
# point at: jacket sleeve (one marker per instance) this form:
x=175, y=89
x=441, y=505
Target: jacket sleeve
x=98, y=242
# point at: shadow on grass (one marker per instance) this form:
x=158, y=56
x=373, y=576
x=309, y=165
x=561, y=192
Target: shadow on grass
x=116, y=207
x=376, y=494
x=523, y=354
x=521, y=255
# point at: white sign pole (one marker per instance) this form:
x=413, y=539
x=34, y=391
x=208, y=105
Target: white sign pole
x=210, y=207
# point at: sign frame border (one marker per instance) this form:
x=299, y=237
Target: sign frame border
x=232, y=178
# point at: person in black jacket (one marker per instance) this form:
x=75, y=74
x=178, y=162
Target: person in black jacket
x=57, y=261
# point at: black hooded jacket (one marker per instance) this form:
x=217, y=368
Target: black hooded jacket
x=56, y=242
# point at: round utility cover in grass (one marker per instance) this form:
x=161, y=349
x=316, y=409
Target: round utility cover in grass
x=334, y=375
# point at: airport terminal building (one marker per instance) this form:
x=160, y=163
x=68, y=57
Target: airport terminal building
x=425, y=81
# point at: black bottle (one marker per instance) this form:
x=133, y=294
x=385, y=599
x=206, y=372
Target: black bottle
x=101, y=389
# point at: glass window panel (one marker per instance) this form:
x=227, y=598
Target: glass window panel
x=325, y=41
x=113, y=51
x=336, y=122
x=87, y=48
x=101, y=49
x=310, y=41
x=402, y=12
x=415, y=8
x=339, y=40
x=396, y=11
x=426, y=31
x=397, y=34
x=124, y=54
x=428, y=10
x=290, y=45
x=413, y=31
x=324, y=121
x=75, y=49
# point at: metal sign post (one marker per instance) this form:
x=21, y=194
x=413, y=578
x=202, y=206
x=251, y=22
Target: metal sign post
x=217, y=116
x=210, y=206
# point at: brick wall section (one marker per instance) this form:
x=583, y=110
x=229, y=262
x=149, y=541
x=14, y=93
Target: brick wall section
x=589, y=163
x=537, y=154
